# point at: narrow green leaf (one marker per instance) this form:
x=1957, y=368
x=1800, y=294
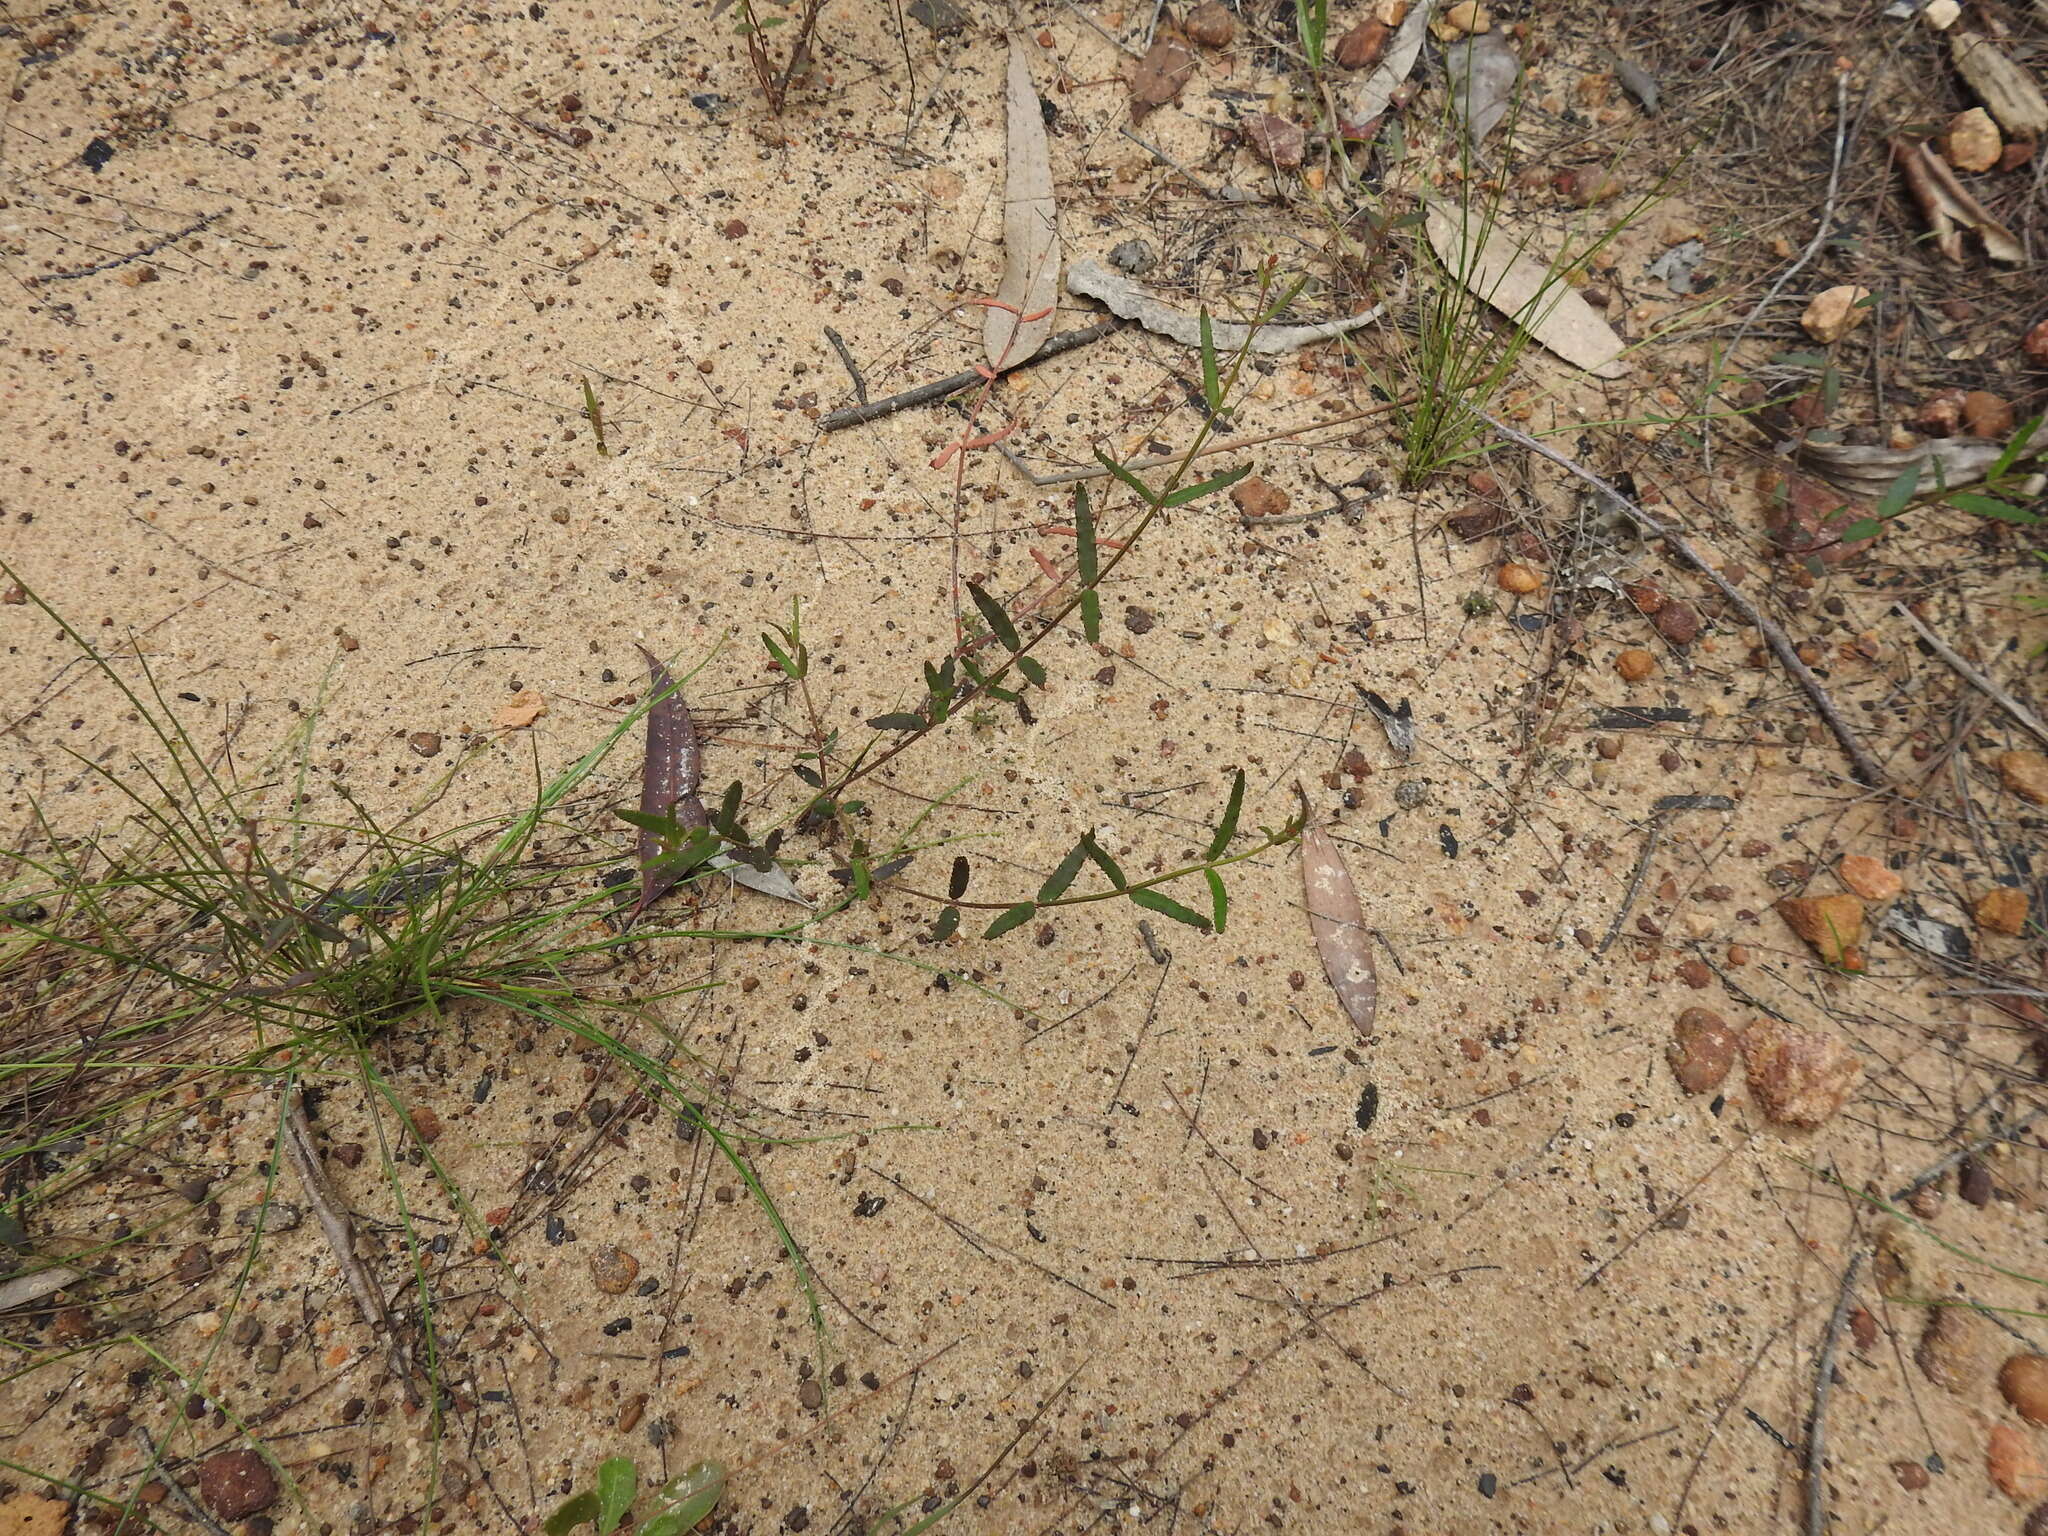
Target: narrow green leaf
x=998, y=621
x=1126, y=477
x=2022, y=436
x=1102, y=860
x=863, y=882
x=727, y=817
x=683, y=1502
x=574, y=1512
x=660, y=826
x=779, y=656
x=1156, y=902
x=1899, y=492
x=897, y=722
x=1057, y=882
x=1033, y=672
x=1227, y=828
x=1208, y=487
x=1212, y=379
x=947, y=925
x=1991, y=506
x=1014, y=917
x=617, y=1481
x=1091, y=617
x=1084, y=536
x=1219, y=899
x=1862, y=528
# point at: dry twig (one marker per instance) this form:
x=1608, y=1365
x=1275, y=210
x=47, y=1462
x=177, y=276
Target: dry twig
x=1862, y=764
x=1816, y=1426
x=1972, y=676
x=336, y=1227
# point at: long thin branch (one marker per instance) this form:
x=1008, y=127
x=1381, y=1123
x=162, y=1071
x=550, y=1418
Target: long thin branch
x=938, y=389
x=335, y=1225
x=1823, y=1384
x=1827, y=214
x=1865, y=767
x=1972, y=676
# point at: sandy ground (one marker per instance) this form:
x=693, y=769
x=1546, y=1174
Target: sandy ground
x=293, y=402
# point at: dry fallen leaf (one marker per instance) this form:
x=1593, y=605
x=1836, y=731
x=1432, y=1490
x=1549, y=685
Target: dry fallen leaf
x=1488, y=261
x=1127, y=301
x=1166, y=67
x=1031, y=230
x=1375, y=93
x=1338, y=926
x=1946, y=463
x=520, y=711
x=1280, y=140
x=1482, y=71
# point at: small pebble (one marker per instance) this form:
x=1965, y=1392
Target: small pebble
x=1518, y=578
x=2024, y=1381
x=1410, y=793
x=1702, y=1050
x=236, y=1484
x=811, y=1395
x=613, y=1270
x=1635, y=665
x=425, y=743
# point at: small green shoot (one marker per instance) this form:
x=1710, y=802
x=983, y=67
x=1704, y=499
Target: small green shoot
x=594, y=414
x=676, y=1506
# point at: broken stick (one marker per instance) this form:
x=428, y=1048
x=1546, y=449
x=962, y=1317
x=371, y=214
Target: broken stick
x=952, y=384
x=1865, y=767
x=336, y=1227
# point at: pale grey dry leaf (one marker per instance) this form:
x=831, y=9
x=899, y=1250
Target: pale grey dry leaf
x=1489, y=262
x=1942, y=194
x=1679, y=266
x=20, y=1290
x=1375, y=92
x=1637, y=82
x=1482, y=72
x=1031, y=229
x=1946, y=463
x=1337, y=924
x=1127, y=301
x=2007, y=91
x=772, y=881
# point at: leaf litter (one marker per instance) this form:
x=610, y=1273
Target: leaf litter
x=1337, y=923
x=1018, y=324
x=1533, y=294
x=1128, y=301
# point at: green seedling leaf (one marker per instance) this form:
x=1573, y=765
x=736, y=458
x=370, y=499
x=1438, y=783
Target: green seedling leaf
x=617, y=1481
x=780, y=657
x=1227, y=828
x=897, y=722
x=1212, y=378
x=1154, y=901
x=1862, y=528
x=998, y=621
x=1219, y=899
x=1014, y=917
x=574, y=1512
x=1103, y=861
x=1208, y=487
x=660, y=826
x=1085, y=552
x=1033, y=672
x=1084, y=536
x=1990, y=506
x=1898, y=493
x=1126, y=477
x=2022, y=438
x=1057, y=882
x=682, y=1503
x=947, y=925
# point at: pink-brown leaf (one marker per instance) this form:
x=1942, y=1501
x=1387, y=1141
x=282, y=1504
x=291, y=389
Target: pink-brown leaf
x=1338, y=927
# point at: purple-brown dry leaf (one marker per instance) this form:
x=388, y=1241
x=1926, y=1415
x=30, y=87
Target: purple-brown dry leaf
x=1338, y=926
x=669, y=776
